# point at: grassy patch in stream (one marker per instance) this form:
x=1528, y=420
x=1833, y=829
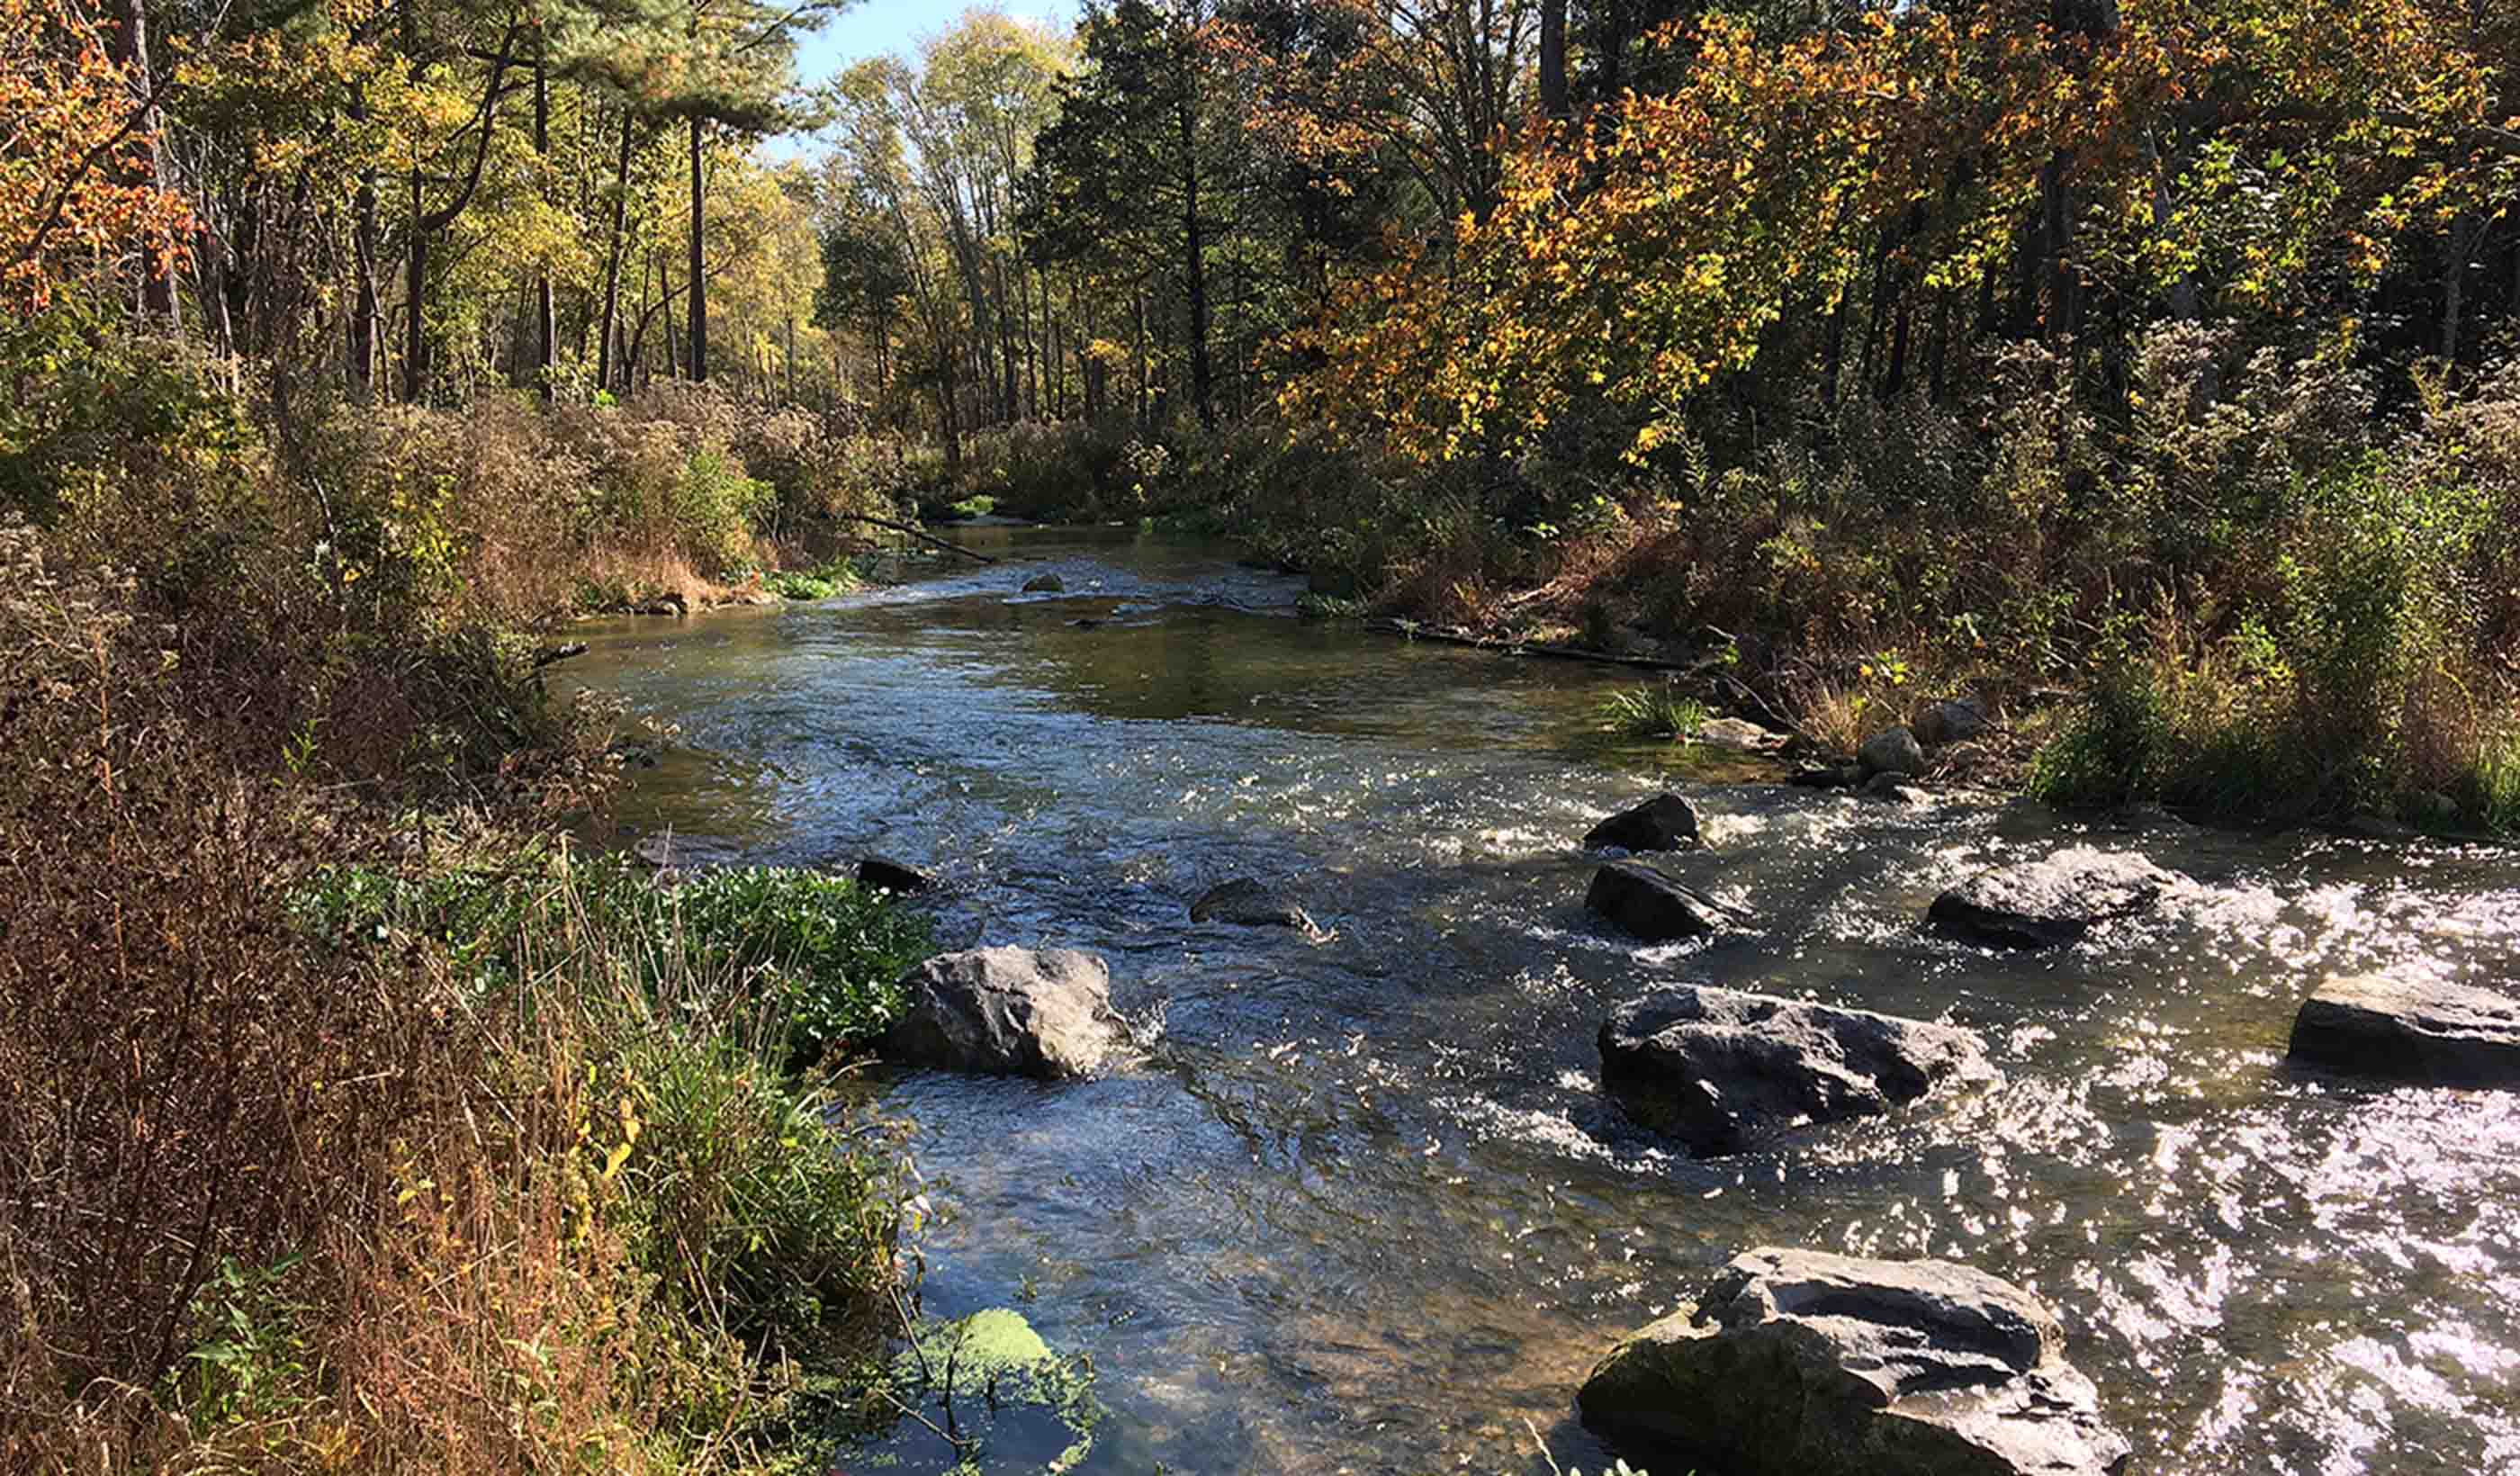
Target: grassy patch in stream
x=1652, y=712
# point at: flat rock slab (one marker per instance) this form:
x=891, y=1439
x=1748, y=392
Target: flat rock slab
x=2050, y=903
x=1664, y=822
x=1739, y=734
x=1800, y=1362
x=2420, y=1031
x=1649, y=905
x=1008, y=1011
x=1725, y=1071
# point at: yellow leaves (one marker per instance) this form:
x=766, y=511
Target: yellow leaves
x=619, y=1153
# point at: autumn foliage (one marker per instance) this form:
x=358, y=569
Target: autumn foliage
x=77, y=183
x=2259, y=154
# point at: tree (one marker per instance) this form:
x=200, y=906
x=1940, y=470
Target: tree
x=1128, y=162
x=79, y=180
x=734, y=69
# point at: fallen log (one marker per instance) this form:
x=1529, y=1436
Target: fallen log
x=922, y=534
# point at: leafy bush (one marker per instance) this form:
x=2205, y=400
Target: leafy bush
x=716, y=505
x=827, y=955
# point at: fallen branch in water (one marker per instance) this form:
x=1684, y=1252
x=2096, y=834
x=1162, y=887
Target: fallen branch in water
x=1507, y=647
x=922, y=534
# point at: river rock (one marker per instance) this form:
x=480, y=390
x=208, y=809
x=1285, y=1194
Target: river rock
x=1892, y=750
x=2050, y=903
x=1723, y=1071
x=1653, y=907
x=1798, y=1363
x=1953, y=721
x=1664, y=822
x=1827, y=776
x=1739, y=734
x=1249, y=902
x=1008, y=1011
x=1891, y=784
x=883, y=874
x=2403, y=1029
x=1045, y=584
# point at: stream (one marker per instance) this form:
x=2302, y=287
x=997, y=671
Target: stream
x=1362, y=1207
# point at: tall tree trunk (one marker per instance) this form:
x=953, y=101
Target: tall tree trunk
x=157, y=270
x=366, y=329
x=415, y=343
x=2455, y=245
x=1833, y=353
x=543, y=328
x=1202, y=374
x=666, y=302
x=1552, y=57
x=699, y=284
x=603, y=357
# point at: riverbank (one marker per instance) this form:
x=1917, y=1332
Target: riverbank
x=348, y=1119
x=2274, y=597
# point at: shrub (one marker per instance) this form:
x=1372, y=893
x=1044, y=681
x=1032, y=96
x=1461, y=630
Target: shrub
x=715, y=505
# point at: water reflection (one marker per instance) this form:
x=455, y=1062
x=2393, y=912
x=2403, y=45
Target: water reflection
x=1365, y=1209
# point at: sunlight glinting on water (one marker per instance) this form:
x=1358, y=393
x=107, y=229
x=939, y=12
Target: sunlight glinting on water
x=1363, y=1204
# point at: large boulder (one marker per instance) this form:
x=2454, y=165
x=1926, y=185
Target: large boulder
x=1649, y=905
x=1953, y=721
x=2404, y=1029
x=1008, y=1011
x=1892, y=750
x=1804, y=1363
x=1251, y=903
x=1725, y=1071
x=1664, y=822
x=2050, y=903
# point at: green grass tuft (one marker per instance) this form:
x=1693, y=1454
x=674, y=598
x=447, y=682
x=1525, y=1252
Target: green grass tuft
x=1649, y=712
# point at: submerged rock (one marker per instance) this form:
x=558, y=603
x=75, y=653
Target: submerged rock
x=1892, y=750
x=1953, y=722
x=1009, y=1011
x=1800, y=1362
x=1045, y=584
x=1249, y=902
x=2420, y=1030
x=1723, y=1071
x=1664, y=822
x=1653, y=907
x=2050, y=903
x=883, y=874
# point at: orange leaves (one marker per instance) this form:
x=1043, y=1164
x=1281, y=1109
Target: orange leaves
x=76, y=176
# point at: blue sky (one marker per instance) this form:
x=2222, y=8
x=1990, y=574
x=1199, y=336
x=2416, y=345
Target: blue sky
x=873, y=27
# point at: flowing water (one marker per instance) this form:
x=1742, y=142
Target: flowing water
x=1362, y=1207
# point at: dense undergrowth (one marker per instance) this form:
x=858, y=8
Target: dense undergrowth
x=346, y=1121
x=2282, y=597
